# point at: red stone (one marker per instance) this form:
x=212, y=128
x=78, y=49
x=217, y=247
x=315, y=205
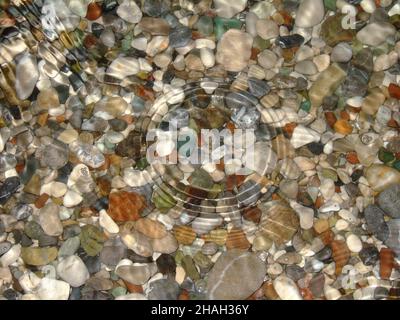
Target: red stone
x=125, y=206
x=394, y=91
x=94, y=11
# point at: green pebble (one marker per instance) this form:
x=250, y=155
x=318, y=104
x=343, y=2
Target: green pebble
x=306, y=106
x=222, y=25
x=385, y=156
x=179, y=256
x=330, y=4
x=205, y=25
x=118, y=291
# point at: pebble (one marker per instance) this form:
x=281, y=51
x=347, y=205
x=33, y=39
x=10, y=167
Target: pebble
x=52, y=289
x=286, y=288
x=310, y=13
x=381, y=177
x=374, y=217
x=227, y=9
x=375, y=33
x=234, y=50
x=129, y=11
x=389, y=201
x=73, y=271
x=223, y=281
x=49, y=220
x=354, y=243
x=24, y=86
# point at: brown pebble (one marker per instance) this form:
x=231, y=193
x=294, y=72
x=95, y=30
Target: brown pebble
x=386, y=257
x=340, y=254
x=237, y=240
x=94, y=11
x=41, y=201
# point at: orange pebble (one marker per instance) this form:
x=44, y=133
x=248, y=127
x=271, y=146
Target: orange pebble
x=94, y=11
x=133, y=288
x=352, y=158
x=386, y=256
x=330, y=118
x=394, y=91
x=343, y=127
x=41, y=201
x=289, y=128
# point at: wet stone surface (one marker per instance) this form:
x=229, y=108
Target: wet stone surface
x=107, y=118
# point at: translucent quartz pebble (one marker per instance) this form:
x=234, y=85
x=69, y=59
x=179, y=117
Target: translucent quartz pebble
x=376, y=33
x=88, y=154
x=27, y=74
x=310, y=13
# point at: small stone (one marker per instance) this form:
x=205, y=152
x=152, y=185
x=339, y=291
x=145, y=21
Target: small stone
x=354, y=243
x=39, y=256
x=22, y=211
x=166, y=264
x=376, y=224
x=4, y=247
x=92, y=240
x=228, y=9
x=168, y=244
x=267, y=29
x=163, y=289
x=55, y=155
x=50, y=221
x=129, y=11
x=286, y=288
x=375, y=33
x=381, y=177
x=342, y=52
x=72, y=270
x=27, y=64
x=107, y=223
x=51, y=289
x=135, y=274
x=310, y=13
x=234, y=50
x=125, y=206
x=369, y=255
x=123, y=67
x=190, y=268
x=151, y=228
x=279, y=222
x=69, y=247
x=184, y=234
x=72, y=199
x=303, y=136
x=111, y=255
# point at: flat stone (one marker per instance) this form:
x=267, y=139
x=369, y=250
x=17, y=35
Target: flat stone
x=389, y=201
x=234, y=50
x=225, y=280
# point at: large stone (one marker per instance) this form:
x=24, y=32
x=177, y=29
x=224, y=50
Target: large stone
x=389, y=201
x=235, y=276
